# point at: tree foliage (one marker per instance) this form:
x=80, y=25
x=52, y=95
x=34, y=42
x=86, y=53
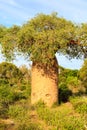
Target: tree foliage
x=82, y=36
x=42, y=37
x=8, y=40
x=26, y=72
x=71, y=79
x=83, y=73
x=10, y=73
x=2, y=31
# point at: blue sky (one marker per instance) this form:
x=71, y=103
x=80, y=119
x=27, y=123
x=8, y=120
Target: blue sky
x=19, y=11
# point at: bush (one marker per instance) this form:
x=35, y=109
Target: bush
x=81, y=107
x=80, y=104
x=6, y=95
x=64, y=93
x=17, y=111
x=21, y=115
x=10, y=73
x=6, y=98
x=3, y=82
x=61, y=118
x=26, y=90
x=29, y=126
x=3, y=126
x=3, y=111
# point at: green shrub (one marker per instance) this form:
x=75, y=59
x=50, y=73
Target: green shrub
x=6, y=95
x=64, y=93
x=19, y=95
x=3, y=126
x=3, y=111
x=23, y=87
x=80, y=104
x=81, y=107
x=10, y=73
x=29, y=126
x=20, y=113
x=27, y=90
x=17, y=111
x=10, y=95
x=61, y=118
x=3, y=81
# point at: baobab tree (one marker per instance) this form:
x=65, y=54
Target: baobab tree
x=40, y=39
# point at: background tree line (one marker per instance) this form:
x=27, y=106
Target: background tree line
x=70, y=81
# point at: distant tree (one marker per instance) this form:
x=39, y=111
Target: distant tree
x=10, y=73
x=83, y=74
x=26, y=73
x=2, y=31
x=70, y=79
x=68, y=72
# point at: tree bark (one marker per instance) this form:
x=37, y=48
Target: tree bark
x=44, y=84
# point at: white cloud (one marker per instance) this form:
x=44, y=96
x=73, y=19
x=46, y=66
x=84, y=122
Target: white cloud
x=12, y=10
x=9, y=2
x=22, y=10
x=72, y=9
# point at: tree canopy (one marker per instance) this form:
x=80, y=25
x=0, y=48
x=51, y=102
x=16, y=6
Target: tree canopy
x=82, y=36
x=43, y=36
x=8, y=40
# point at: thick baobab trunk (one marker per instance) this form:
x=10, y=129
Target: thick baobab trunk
x=45, y=84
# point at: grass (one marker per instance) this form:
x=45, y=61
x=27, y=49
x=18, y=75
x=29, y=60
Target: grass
x=61, y=118
x=16, y=112
x=80, y=104
x=39, y=117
